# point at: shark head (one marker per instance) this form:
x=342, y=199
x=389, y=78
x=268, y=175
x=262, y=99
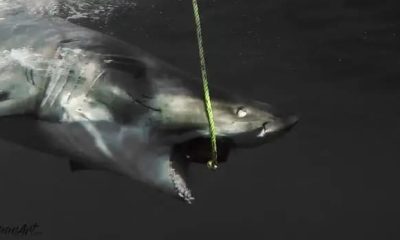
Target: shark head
x=241, y=123
x=181, y=121
x=161, y=126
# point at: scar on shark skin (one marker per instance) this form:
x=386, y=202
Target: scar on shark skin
x=140, y=102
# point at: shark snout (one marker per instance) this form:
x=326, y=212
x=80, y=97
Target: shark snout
x=269, y=131
x=278, y=126
x=289, y=122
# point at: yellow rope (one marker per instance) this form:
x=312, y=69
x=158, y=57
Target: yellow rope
x=212, y=163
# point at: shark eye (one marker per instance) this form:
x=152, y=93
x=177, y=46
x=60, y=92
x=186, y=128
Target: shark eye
x=241, y=112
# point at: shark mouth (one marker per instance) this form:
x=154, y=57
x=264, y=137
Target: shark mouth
x=197, y=150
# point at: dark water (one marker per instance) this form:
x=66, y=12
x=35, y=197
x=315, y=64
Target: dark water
x=336, y=176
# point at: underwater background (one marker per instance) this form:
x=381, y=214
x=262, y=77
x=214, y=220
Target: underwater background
x=334, y=176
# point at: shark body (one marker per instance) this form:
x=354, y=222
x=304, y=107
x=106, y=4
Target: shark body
x=106, y=104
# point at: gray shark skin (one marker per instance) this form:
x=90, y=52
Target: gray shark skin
x=104, y=104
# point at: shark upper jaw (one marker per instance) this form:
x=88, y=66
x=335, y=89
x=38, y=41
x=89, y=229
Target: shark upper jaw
x=268, y=132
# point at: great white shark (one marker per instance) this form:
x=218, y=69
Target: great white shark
x=105, y=104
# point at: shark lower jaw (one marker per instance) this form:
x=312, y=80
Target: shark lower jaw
x=265, y=134
x=195, y=150
x=179, y=184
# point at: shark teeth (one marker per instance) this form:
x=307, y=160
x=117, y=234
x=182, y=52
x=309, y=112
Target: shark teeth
x=180, y=185
x=264, y=131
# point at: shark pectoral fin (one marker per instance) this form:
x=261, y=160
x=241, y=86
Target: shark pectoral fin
x=78, y=166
